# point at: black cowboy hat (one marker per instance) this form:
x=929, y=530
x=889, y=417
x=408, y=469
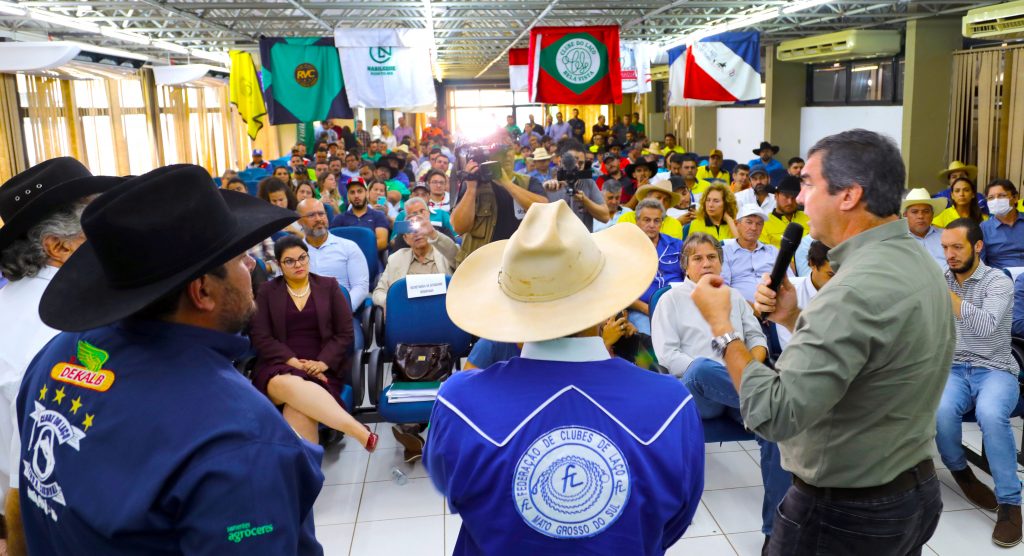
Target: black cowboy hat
x=651, y=165
x=32, y=195
x=788, y=184
x=766, y=145
x=148, y=236
x=393, y=164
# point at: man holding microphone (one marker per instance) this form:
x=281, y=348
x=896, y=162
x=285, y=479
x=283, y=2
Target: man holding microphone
x=852, y=399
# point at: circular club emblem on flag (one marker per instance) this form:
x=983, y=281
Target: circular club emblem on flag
x=572, y=482
x=380, y=54
x=306, y=75
x=577, y=61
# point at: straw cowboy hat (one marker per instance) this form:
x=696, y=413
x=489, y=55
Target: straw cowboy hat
x=540, y=153
x=663, y=185
x=957, y=166
x=552, y=278
x=920, y=196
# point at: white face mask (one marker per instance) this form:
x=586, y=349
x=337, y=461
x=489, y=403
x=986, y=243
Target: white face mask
x=999, y=207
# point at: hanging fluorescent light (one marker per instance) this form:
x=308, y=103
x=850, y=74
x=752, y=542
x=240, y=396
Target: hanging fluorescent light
x=64, y=21
x=126, y=36
x=212, y=56
x=12, y=9
x=170, y=47
x=803, y=5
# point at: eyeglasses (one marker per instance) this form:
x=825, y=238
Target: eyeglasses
x=289, y=262
x=315, y=214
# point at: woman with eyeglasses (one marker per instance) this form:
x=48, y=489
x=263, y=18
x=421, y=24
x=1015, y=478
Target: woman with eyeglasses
x=302, y=333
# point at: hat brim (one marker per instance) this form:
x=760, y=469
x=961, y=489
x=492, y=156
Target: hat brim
x=641, y=193
x=79, y=297
x=972, y=172
x=51, y=200
x=631, y=169
x=938, y=205
x=477, y=304
x=774, y=148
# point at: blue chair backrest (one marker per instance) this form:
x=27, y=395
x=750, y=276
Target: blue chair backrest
x=283, y=161
x=253, y=186
x=330, y=212
x=278, y=235
x=423, y=320
x=217, y=181
x=776, y=176
x=655, y=298
x=253, y=174
x=729, y=165
x=367, y=242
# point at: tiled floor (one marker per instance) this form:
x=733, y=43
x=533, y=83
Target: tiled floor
x=363, y=512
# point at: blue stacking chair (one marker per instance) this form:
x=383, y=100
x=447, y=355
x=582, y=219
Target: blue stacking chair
x=367, y=242
x=719, y=429
x=278, y=235
x=729, y=165
x=422, y=320
x=776, y=176
x=980, y=460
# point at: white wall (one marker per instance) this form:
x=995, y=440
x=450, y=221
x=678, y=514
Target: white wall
x=740, y=131
x=817, y=122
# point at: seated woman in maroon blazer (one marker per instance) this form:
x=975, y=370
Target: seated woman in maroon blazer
x=302, y=332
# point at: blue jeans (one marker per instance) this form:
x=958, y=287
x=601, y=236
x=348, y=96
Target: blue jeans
x=895, y=525
x=992, y=394
x=715, y=396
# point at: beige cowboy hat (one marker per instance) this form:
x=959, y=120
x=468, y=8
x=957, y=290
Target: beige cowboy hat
x=957, y=166
x=661, y=184
x=920, y=196
x=552, y=278
x=540, y=153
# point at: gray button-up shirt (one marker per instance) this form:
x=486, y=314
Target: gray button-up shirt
x=853, y=402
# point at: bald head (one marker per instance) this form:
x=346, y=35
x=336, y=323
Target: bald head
x=312, y=217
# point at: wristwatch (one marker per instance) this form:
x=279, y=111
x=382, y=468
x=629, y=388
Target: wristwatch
x=719, y=343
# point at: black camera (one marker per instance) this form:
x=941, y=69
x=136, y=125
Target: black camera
x=569, y=172
x=487, y=158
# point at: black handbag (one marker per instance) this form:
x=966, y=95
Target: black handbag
x=422, y=363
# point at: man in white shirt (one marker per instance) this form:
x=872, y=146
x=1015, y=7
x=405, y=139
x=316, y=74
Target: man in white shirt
x=682, y=342
x=41, y=208
x=339, y=258
x=746, y=259
x=919, y=209
x=758, y=192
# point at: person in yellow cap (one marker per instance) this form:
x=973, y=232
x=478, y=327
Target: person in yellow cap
x=713, y=172
x=953, y=172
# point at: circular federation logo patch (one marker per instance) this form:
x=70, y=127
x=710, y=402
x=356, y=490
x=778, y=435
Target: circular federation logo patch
x=572, y=482
x=306, y=75
x=578, y=60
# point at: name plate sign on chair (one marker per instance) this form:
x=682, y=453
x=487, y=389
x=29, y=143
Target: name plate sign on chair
x=425, y=285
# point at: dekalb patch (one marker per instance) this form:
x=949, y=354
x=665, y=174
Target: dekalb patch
x=91, y=375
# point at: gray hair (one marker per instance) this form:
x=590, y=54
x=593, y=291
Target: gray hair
x=612, y=186
x=25, y=257
x=695, y=239
x=415, y=200
x=868, y=159
x=650, y=204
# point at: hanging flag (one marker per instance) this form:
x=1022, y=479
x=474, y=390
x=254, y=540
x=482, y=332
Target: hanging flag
x=245, y=92
x=572, y=65
x=720, y=69
x=518, y=62
x=387, y=68
x=635, y=61
x=302, y=80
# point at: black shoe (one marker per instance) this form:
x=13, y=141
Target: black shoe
x=764, y=547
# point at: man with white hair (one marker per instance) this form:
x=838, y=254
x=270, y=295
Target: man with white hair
x=41, y=209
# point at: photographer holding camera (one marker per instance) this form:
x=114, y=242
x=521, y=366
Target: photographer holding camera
x=575, y=185
x=492, y=198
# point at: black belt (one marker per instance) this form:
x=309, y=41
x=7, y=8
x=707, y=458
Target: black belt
x=905, y=481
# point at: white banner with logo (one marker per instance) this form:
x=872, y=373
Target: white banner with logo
x=635, y=60
x=387, y=68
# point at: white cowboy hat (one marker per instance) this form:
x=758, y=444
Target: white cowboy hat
x=749, y=209
x=540, y=154
x=551, y=279
x=920, y=196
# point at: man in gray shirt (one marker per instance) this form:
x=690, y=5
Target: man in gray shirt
x=852, y=399
x=585, y=199
x=983, y=378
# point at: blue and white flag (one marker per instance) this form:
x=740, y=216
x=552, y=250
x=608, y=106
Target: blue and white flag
x=721, y=69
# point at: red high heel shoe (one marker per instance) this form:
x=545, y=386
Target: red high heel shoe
x=371, y=443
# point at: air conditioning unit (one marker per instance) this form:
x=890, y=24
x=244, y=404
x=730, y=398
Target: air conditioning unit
x=1001, y=20
x=843, y=45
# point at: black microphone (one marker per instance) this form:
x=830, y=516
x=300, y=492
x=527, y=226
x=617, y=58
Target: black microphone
x=787, y=248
